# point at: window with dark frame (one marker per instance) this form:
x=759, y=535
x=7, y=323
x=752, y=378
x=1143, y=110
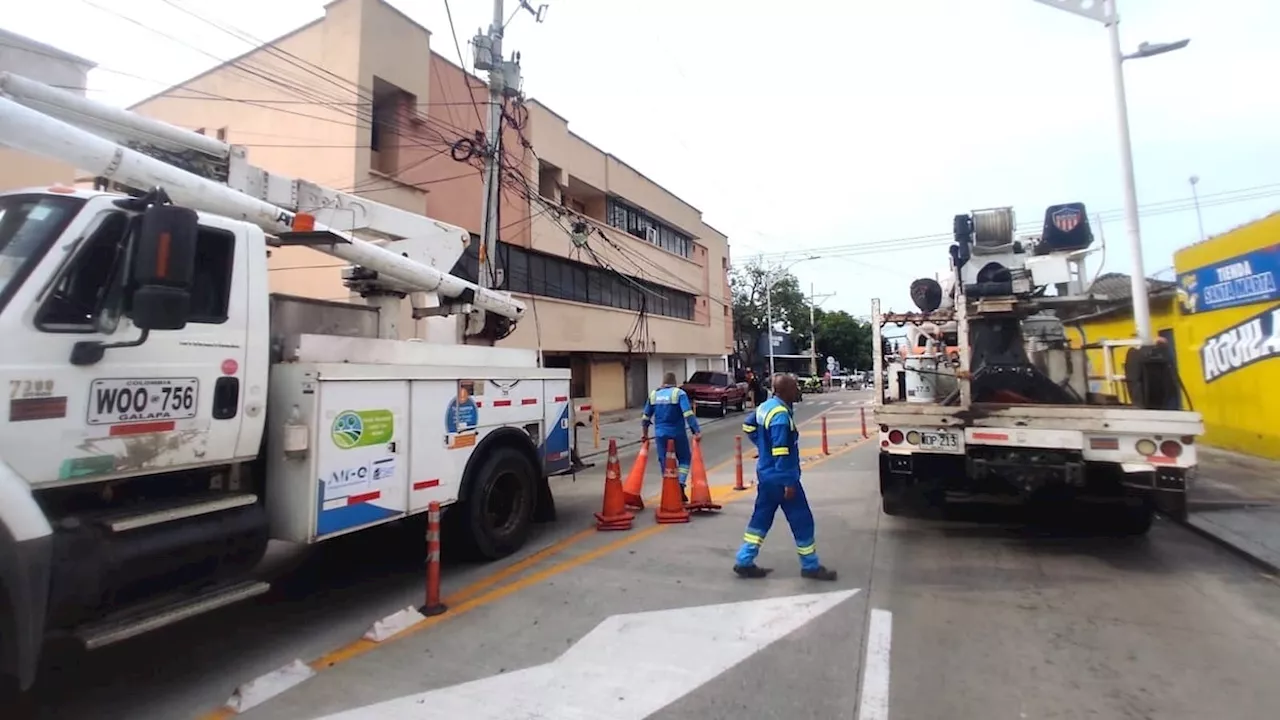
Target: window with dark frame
x=550, y=276
x=636, y=222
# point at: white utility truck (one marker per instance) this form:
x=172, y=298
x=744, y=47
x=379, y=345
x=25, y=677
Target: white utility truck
x=168, y=415
x=991, y=402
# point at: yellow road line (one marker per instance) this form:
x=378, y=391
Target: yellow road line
x=467, y=599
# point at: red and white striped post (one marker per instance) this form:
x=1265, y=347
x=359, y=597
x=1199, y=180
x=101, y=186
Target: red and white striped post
x=737, y=464
x=826, y=450
x=433, y=605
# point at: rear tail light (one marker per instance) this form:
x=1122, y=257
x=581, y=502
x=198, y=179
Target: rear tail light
x=1169, y=448
x=1146, y=447
x=895, y=437
x=1188, y=439
x=913, y=437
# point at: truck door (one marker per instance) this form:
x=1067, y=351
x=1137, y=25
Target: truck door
x=172, y=401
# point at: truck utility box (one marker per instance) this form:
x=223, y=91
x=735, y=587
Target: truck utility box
x=365, y=442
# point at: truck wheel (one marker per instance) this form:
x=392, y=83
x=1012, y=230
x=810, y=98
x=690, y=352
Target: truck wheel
x=724, y=407
x=498, y=509
x=1135, y=520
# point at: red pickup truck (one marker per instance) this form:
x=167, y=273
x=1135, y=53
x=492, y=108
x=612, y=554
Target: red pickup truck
x=716, y=391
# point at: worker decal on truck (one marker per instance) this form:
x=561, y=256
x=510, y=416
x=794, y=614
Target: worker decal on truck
x=1241, y=345
x=461, y=417
x=362, y=428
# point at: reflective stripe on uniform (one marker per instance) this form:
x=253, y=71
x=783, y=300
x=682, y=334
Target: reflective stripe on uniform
x=770, y=415
x=748, y=428
x=753, y=538
x=781, y=451
x=807, y=549
x=687, y=413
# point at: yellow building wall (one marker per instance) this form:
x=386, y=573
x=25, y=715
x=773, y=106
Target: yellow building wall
x=1118, y=326
x=1241, y=407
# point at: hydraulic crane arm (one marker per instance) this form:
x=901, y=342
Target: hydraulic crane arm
x=92, y=137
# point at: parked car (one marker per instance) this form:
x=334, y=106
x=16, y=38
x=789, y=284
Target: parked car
x=716, y=391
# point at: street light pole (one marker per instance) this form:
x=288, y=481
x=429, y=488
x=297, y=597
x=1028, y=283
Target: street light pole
x=1105, y=13
x=1138, y=275
x=1195, y=196
x=768, y=303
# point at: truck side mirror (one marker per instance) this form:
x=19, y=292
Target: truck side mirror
x=163, y=266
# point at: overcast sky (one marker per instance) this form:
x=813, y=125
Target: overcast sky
x=811, y=124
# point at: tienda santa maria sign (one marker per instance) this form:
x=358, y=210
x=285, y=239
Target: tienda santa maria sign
x=1253, y=277
x=1253, y=340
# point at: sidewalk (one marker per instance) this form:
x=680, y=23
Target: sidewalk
x=1236, y=499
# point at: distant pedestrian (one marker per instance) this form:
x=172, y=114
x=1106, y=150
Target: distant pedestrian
x=773, y=430
x=668, y=409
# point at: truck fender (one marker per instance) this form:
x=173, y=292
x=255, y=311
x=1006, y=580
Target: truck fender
x=26, y=558
x=514, y=437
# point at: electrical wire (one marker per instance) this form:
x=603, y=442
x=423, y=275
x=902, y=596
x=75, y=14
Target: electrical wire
x=463, y=63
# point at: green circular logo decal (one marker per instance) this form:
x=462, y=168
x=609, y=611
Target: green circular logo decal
x=347, y=429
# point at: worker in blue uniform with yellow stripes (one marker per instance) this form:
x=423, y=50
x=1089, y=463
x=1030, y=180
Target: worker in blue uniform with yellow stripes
x=777, y=441
x=668, y=410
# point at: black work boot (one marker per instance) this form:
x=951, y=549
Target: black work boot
x=751, y=572
x=819, y=573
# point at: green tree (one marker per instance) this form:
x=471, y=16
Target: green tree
x=748, y=283
x=843, y=337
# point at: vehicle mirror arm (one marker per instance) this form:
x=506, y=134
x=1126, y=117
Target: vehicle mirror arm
x=90, y=352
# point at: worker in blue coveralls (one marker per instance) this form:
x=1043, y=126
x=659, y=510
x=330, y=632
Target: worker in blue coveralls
x=668, y=409
x=773, y=430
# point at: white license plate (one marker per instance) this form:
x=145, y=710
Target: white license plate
x=940, y=440
x=142, y=399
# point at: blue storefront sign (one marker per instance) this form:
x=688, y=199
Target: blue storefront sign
x=1242, y=280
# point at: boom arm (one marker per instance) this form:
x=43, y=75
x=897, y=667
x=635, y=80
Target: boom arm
x=46, y=121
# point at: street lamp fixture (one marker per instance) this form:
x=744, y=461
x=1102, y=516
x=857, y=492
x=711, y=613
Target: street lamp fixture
x=768, y=302
x=1104, y=11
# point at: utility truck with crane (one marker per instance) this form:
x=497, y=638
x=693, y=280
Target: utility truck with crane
x=989, y=401
x=167, y=415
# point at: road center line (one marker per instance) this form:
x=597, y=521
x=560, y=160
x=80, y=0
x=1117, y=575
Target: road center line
x=874, y=704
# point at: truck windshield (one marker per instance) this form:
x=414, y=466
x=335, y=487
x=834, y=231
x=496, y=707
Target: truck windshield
x=702, y=377
x=29, y=224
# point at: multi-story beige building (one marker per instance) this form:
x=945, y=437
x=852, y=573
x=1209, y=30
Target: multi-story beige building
x=47, y=64
x=357, y=100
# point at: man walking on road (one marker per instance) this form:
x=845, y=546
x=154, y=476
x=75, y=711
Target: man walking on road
x=777, y=441
x=668, y=409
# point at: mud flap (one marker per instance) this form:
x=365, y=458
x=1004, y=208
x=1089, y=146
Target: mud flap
x=1171, y=489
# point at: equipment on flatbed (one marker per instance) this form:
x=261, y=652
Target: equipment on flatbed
x=1019, y=420
x=168, y=414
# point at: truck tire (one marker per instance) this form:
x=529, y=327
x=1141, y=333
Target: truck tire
x=724, y=407
x=497, y=512
x=1134, y=520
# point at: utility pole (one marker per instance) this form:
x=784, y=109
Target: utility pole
x=1195, y=195
x=504, y=82
x=813, y=344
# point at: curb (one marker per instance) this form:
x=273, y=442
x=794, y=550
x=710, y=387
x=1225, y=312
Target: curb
x=1236, y=544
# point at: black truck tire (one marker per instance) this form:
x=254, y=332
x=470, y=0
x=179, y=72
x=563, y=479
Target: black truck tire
x=497, y=513
x=1134, y=520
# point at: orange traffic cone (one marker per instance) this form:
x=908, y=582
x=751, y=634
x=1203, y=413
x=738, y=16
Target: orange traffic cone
x=671, y=509
x=634, y=485
x=699, y=491
x=614, y=515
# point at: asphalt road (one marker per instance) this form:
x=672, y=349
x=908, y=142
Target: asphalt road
x=929, y=619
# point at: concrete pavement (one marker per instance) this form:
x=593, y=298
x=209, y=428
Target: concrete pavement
x=1236, y=500
x=927, y=620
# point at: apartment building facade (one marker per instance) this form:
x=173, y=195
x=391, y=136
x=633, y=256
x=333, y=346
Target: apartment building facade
x=47, y=64
x=624, y=280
